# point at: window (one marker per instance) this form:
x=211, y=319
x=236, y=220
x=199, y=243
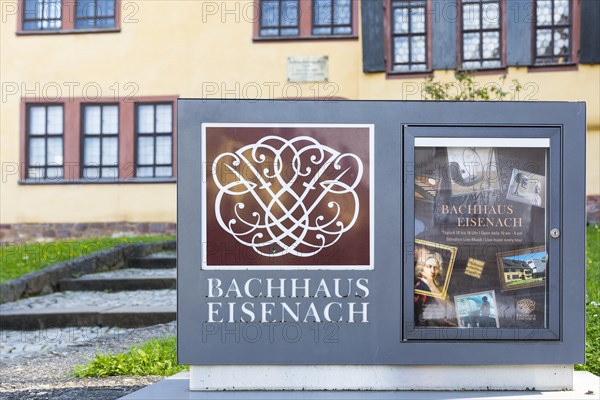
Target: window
x=481, y=35
x=332, y=17
x=100, y=124
x=42, y=14
x=76, y=140
x=553, y=32
x=45, y=130
x=95, y=14
x=409, y=36
x=154, y=140
x=289, y=19
x=65, y=16
x=279, y=18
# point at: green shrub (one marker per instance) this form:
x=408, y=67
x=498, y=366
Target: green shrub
x=465, y=88
x=156, y=357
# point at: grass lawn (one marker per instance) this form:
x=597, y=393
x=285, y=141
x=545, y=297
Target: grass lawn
x=592, y=345
x=593, y=265
x=20, y=259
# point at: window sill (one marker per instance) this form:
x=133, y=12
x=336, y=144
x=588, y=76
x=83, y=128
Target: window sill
x=553, y=67
x=96, y=181
x=67, y=31
x=484, y=71
x=303, y=38
x=409, y=74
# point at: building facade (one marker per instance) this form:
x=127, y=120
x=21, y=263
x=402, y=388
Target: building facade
x=89, y=87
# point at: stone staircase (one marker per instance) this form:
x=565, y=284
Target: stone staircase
x=140, y=293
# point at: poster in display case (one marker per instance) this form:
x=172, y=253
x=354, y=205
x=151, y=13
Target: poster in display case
x=481, y=215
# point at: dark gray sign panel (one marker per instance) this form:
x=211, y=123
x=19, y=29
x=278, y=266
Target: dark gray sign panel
x=380, y=232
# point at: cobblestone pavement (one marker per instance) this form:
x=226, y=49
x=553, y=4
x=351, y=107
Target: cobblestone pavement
x=47, y=372
x=15, y=344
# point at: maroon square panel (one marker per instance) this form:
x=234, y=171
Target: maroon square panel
x=287, y=196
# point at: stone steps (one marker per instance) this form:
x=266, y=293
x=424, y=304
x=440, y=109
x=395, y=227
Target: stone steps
x=124, y=317
x=159, y=261
x=142, y=294
x=128, y=279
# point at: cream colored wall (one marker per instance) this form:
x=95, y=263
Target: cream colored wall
x=193, y=49
x=593, y=162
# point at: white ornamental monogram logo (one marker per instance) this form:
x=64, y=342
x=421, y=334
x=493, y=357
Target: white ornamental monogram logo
x=281, y=196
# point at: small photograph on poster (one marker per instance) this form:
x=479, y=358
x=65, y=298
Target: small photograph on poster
x=528, y=188
x=520, y=269
x=433, y=268
x=477, y=310
x=472, y=169
x=426, y=188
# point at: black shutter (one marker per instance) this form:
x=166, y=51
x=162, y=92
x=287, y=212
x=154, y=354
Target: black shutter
x=444, y=33
x=372, y=12
x=590, y=32
x=519, y=28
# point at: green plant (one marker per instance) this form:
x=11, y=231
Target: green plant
x=592, y=340
x=465, y=88
x=19, y=259
x=156, y=357
x=593, y=265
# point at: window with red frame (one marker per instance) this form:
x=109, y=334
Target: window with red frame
x=154, y=140
x=100, y=136
x=409, y=35
x=481, y=34
x=130, y=140
x=45, y=141
x=60, y=15
x=287, y=19
x=553, y=32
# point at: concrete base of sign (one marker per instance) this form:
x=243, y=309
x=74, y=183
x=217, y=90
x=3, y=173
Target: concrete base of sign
x=381, y=377
x=585, y=386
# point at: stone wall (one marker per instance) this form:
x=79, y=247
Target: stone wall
x=11, y=233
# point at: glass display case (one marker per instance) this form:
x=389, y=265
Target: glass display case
x=480, y=258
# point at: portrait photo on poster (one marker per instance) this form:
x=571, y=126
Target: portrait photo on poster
x=290, y=196
x=433, y=268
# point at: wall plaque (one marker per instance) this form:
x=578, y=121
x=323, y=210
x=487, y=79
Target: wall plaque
x=308, y=69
